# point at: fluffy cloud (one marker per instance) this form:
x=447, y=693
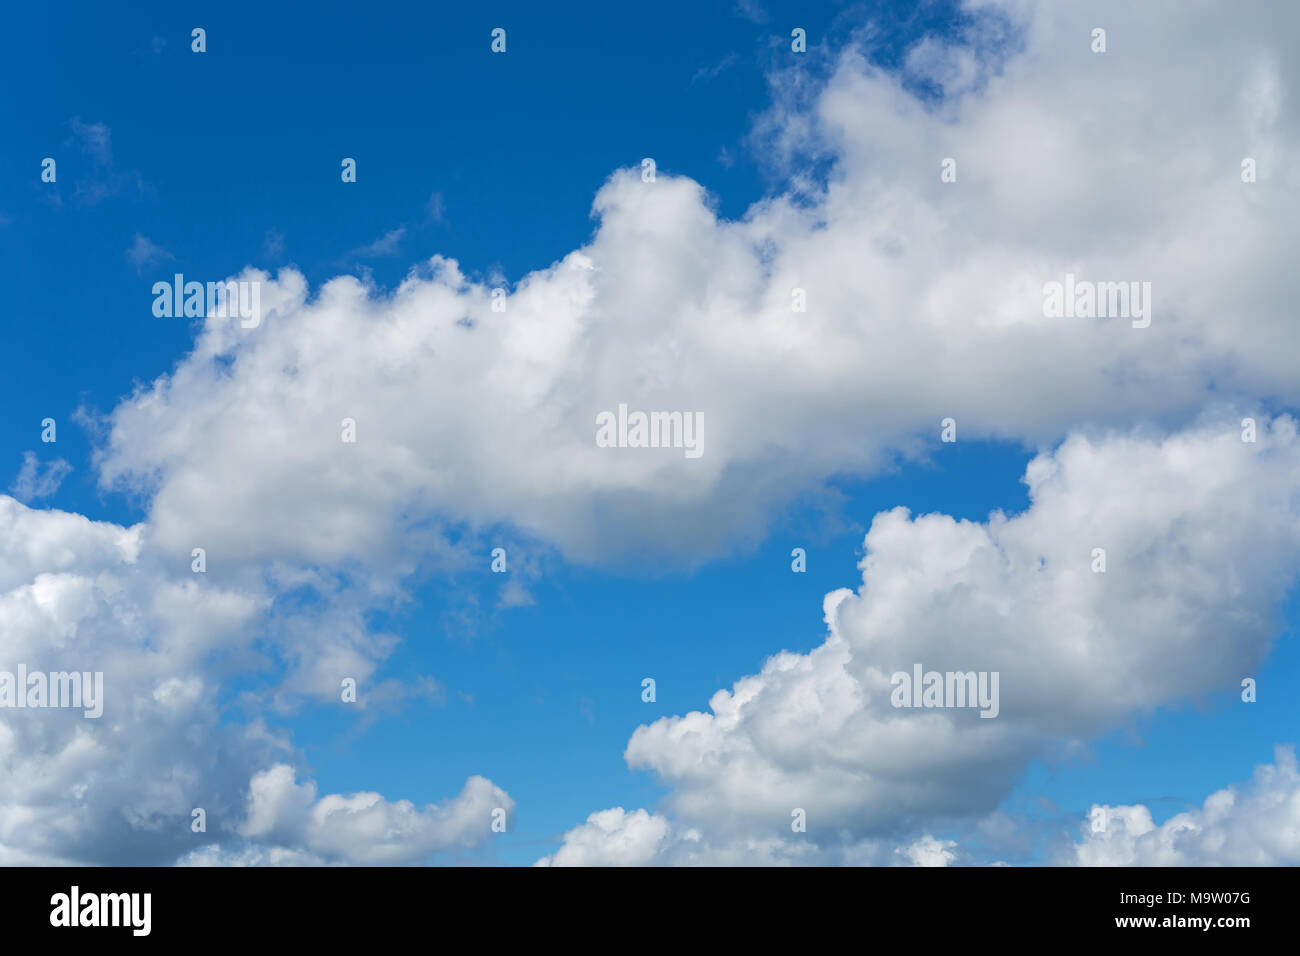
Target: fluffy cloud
x=616, y=837
x=364, y=827
x=924, y=300
x=928, y=851
x=77, y=595
x=1255, y=826
x=612, y=838
x=1202, y=535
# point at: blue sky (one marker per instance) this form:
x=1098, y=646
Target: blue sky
x=230, y=159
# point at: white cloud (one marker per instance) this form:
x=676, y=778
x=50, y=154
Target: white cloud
x=144, y=253
x=612, y=838
x=102, y=180
x=364, y=828
x=927, y=851
x=1258, y=825
x=436, y=207
x=273, y=244
x=713, y=70
x=214, y=854
x=37, y=479
x=95, y=139
x=1202, y=534
x=924, y=302
x=385, y=245
x=616, y=837
x=93, y=596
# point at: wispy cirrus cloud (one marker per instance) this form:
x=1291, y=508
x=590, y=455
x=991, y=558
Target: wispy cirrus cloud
x=102, y=179
x=386, y=245
x=143, y=253
x=435, y=209
x=706, y=73
x=37, y=479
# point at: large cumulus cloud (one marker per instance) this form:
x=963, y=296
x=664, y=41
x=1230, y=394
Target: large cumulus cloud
x=924, y=301
x=1202, y=534
x=79, y=595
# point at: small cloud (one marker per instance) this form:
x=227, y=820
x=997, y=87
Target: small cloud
x=273, y=244
x=725, y=158
x=385, y=245
x=95, y=139
x=928, y=851
x=144, y=254
x=514, y=594
x=158, y=43
x=435, y=207
x=751, y=11
x=393, y=696
x=706, y=73
x=36, y=480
